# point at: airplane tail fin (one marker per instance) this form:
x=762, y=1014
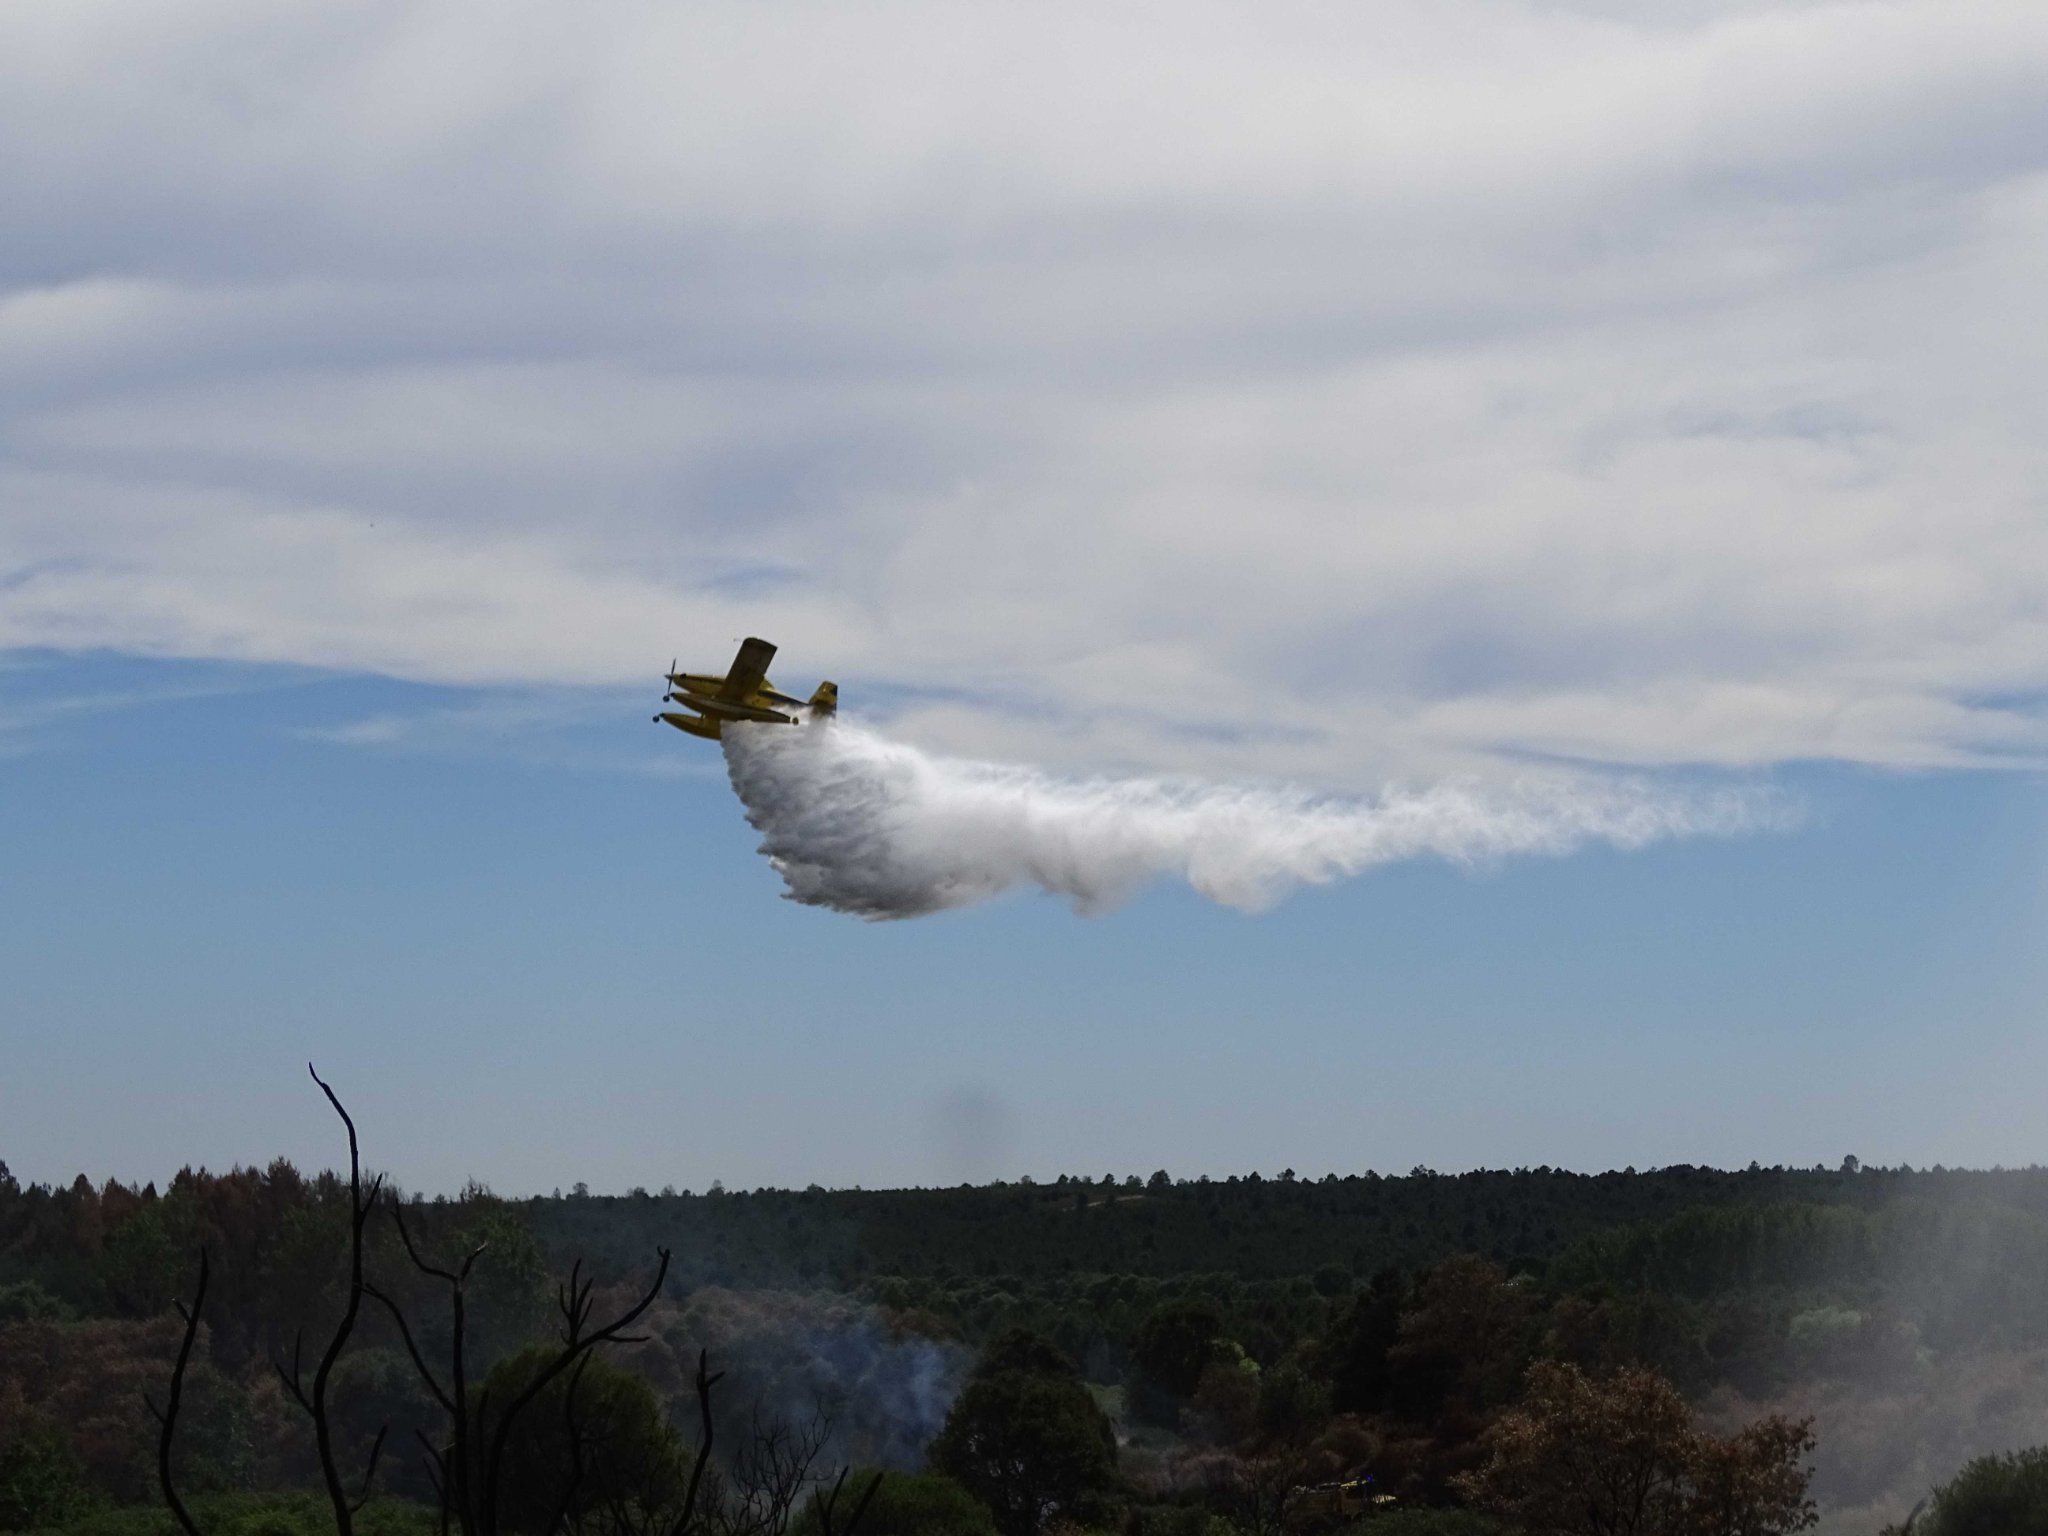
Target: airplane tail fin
x=826, y=700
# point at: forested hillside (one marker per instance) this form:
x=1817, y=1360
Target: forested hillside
x=1387, y=1321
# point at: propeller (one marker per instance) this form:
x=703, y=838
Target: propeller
x=665, y=686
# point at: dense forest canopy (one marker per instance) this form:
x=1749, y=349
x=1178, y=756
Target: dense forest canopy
x=1947, y=1247
x=1206, y=1315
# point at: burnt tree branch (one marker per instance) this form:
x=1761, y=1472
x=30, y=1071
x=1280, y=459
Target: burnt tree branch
x=706, y=1380
x=827, y=1504
x=578, y=1339
x=315, y=1403
x=454, y=1396
x=167, y=1416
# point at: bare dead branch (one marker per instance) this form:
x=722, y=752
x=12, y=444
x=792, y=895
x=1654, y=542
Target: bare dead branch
x=575, y=1304
x=419, y=1363
x=413, y=1253
x=456, y=1464
x=770, y=1471
x=828, y=1501
x=828, y=1504
x=437, y=1475
x=860, y=1509
x=167, y=1417
x=705, y=1426
x=560, y=1522
x=370, y=1472
x=323, y=1431
x=293, y=1382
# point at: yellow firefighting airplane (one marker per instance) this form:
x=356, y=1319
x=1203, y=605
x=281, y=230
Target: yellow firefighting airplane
x=743, y=693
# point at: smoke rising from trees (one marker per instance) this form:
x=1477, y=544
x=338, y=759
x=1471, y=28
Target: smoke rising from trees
x=862, y=824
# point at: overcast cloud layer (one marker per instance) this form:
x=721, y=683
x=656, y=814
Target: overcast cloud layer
x=1450, y=382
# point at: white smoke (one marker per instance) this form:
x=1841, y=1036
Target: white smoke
x=866, y=825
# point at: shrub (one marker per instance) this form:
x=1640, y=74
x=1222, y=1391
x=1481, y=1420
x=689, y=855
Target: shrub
x=908, y=1504
x=1992, y=1496
x=42, y=1478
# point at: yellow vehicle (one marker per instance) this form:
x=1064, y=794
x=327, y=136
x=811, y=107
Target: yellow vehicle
x=1325, y=1503
x=743, y=692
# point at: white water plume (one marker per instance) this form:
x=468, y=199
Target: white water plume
x=854, y=821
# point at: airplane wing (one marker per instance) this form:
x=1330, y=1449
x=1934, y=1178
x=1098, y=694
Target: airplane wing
x=749, y=669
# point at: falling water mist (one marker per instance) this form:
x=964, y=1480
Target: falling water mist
x=857, y=822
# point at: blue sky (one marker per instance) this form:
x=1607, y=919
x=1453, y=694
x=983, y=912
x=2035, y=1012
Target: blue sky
x=564, y=961
x=1465, y=392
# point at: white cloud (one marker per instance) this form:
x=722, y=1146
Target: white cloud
x=1460, y=381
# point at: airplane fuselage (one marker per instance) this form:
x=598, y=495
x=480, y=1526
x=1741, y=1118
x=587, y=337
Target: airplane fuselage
x=726, y=709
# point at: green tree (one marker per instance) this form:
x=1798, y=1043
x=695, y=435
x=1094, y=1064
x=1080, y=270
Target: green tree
x=1992, y=1496
x=1026, y=1438
x=632, y=1457
x=1462, y=1342
x=1293, y=1405
x=909, y=1504
x=1352, y=1355
x=142, y=1267
x=1174, y=1345
x=1225, y=1405
x=28, y=1301
x=1621, y=1456
x=43, y=1480
x=1431, y=1522
x=509, y=1289
x=378, y=1389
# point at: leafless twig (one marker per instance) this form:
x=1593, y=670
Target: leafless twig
x=167, y=1416
x=829, y=1502
x=579, y=1338
x=315, y=1403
